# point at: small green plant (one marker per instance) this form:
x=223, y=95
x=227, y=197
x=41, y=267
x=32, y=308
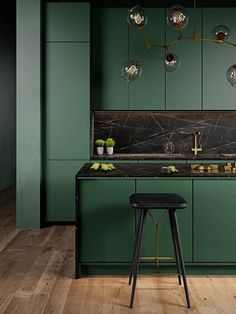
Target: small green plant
x=100, y=143
x=110, y=142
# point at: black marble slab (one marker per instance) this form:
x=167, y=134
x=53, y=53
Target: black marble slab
x=149, y=170
x=144, y=133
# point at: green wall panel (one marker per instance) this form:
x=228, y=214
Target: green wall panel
x=183, y=86
x=107, y=220
x=148, y=91
x=67, y=101
x=28, y=113
x=60, y=189
x=67, y=21
x=110, y=51
x=214, y=220
x=184, y=188
x=217, y=58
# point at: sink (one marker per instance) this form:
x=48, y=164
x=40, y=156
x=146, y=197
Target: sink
x=161, y=155
x=229, y=155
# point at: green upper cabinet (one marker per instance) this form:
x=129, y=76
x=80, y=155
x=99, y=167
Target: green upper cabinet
x=67, y=21
x=148, y=91
x=214, y=220
x=107, y=220
x=184, y=188
x=183, y=86
x=67, y=101
x=110, y=52
x=217, y=58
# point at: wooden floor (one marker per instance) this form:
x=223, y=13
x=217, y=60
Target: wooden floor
x=37, y=270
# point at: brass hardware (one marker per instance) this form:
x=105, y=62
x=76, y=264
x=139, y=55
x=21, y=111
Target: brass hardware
x=157, y=224
x=201, y=168
x=196, y=149
x=161, y=258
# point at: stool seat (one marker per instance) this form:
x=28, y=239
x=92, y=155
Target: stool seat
x=157, y=201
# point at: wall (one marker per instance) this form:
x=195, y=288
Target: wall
x=7, y=94
x=28, y=113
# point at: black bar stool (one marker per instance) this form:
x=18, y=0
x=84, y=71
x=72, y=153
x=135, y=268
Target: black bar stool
x=171, y=202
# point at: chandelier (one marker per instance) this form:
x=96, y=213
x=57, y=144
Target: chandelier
x=177, y=18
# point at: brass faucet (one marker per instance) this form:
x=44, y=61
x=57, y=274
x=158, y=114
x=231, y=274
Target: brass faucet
x=196, y=149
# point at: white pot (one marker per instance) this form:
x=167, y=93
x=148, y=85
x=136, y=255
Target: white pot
x=100, y=150
x=109, y=150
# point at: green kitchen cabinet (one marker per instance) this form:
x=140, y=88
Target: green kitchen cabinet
x=183, y=86
x=218, y=94
x=214, y=220
x=106, y=220
x=148, y=91
x=182, y=187
x=110, y=52
x=68, y=22
x=67, y=112
x=60, y=189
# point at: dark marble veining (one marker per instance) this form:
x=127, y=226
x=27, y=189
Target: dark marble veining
x=146, y=132
x=149, y=170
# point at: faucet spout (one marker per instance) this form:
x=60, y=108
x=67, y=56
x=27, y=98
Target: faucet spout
x=195, y=148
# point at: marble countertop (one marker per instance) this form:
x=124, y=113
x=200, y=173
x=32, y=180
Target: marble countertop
x=149, y=170
x=163, y=156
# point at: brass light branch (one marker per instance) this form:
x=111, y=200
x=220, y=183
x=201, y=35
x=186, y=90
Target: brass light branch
x=177, y=18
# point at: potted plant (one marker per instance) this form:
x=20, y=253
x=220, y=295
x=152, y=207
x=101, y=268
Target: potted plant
x=110, y=143
x=100, y=146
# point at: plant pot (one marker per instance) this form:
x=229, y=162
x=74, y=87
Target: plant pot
x=109, y=150
x=100, y=150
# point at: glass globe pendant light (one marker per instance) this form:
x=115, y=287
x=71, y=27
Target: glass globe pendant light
x=231, y=75
x=131, y=70
x=137, y=17
x=220, y=32
x=177, y=17
x=171, y=62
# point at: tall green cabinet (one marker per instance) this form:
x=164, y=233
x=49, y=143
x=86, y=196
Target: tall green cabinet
x=67, y=104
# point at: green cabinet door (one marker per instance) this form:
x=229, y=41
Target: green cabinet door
x=148, y=91
x=217, y=58
x=184, y=188
x=67, y=112
x=183, y=86
x=60, y=189
x=109, y=53
x=214, y=220
x=107, y=220
x=67, y=22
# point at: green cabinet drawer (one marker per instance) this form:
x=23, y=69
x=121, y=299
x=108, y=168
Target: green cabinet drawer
x=110, y=52
x=67, y=21
x=148, y=91
x=67, y=112
x=184, y=188
x=60, y=189
x=214, y=220
x=107, y=220
x=183, y=86
x=217, y=58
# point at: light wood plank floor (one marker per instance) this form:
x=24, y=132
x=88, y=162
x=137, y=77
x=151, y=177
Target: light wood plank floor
x=37, y=270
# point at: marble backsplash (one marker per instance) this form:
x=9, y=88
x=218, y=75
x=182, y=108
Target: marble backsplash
x=145, y=132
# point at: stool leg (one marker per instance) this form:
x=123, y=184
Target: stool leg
x=135, y=249
x=136, y=265
x=179, y=249
x=175, y=250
